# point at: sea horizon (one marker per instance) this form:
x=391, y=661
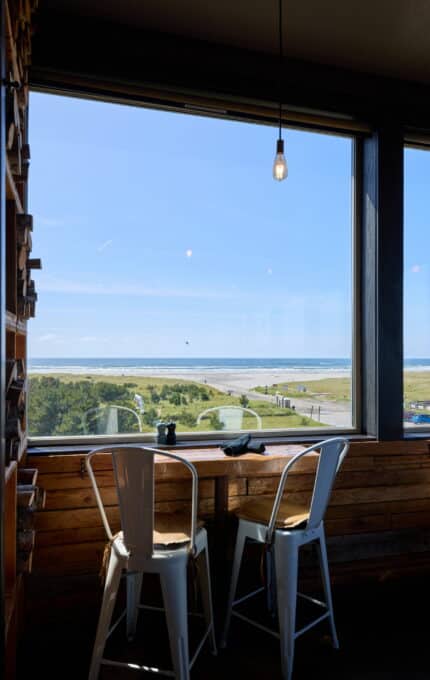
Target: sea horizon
x=130, y=365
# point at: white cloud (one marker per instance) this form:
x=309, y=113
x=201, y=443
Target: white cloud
x=50, y=337
x=50, y=221
x=55, y=222
x=105, y=245
x=52, y=285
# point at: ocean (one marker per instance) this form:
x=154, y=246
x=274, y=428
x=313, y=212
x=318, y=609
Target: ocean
x=144, y=366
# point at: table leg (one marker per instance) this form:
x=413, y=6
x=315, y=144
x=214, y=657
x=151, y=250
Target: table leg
x=221, y=499
x=219, y=554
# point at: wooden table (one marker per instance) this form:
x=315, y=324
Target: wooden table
x=213, y=463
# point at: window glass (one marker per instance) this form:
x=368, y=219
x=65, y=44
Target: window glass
x=180, y=282
x=416, y=290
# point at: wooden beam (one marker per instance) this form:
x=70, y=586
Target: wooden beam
x=175, y=66
x=390, y=282
x=382, y=283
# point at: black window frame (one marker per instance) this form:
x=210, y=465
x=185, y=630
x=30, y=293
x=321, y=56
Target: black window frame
x=343, y=126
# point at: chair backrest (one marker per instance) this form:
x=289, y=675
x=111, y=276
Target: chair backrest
x=231, y=416
x=134, y=479
x=105, y=418
x=331, y=455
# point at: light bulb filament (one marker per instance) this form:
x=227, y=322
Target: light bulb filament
x=280, y=168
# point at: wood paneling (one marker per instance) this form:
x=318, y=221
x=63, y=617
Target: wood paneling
x=382, y=489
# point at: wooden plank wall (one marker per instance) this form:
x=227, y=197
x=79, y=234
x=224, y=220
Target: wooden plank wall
x=379, y=515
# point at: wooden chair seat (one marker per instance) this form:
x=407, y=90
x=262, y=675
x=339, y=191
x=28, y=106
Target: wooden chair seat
x=169, y=530
x=172, y=529
x=290, y=515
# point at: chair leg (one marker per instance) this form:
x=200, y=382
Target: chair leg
x=174, y=589
x=270, y=583
x=113, y=577
x=322, y=557
x=286, y=565
x=134, y=587
x=205, y=588
x=238, y=552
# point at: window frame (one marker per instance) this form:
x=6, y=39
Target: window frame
x=419, y=140
x=336, y=125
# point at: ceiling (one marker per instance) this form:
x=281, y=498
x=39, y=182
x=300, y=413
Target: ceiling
x=383, y=37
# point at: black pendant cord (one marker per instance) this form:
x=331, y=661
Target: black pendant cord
x=280, y=69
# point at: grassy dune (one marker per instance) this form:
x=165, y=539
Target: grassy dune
x=416, y=387
x=59, y=409
x=335, y=389
x=184, y=413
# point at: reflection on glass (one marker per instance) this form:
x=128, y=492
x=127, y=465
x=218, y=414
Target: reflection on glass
x=204, y=295
x=416, y=405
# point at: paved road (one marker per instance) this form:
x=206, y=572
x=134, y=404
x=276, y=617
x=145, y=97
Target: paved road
x=333, y=413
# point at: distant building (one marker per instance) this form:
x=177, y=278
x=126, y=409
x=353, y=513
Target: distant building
x=302, y=388
x=422, y=405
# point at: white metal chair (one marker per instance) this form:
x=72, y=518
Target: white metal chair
x=155, y=543
x=231, y=416
x=286, y=526
x=106, y=419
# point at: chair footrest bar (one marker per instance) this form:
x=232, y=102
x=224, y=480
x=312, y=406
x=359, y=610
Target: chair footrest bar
x=201, y=643
x=275, y=633
x=311, y=624
x=313, y=600
x=257, y=625
x=246, y=597
x=153, y=608
x=116, y=624
x=136, y=667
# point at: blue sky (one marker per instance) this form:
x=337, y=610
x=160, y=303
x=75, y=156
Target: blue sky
x=417, y=250
x=164, y=235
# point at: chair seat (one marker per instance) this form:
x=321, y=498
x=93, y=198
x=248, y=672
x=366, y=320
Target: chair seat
x=290, y=515
x=172, y=529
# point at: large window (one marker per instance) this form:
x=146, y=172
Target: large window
x=417, y=290
x=180, y=282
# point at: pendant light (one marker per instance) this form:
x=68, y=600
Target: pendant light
x=280, y=169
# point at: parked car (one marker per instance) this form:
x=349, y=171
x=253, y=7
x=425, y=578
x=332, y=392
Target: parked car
x=421, y=418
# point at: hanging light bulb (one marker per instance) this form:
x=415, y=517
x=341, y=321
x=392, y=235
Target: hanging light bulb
x=280, y=168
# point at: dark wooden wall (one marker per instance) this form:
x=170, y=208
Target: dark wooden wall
x=378, y=520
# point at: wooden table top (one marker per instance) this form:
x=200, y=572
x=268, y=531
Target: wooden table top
x=212, y=462
x=209, y=462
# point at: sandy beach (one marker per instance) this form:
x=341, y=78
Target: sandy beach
x=248, y=379
x=236, y=379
